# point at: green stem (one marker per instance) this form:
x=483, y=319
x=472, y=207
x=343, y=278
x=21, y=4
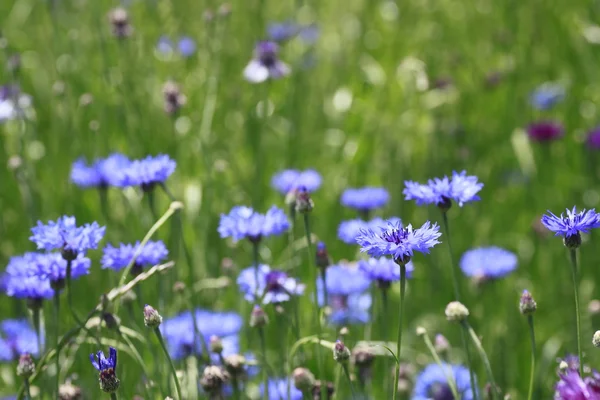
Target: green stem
x=173, y=370
x=198, y=336
x=56, y=337
x=384, y=326
x=312, y=268
x=400, y=320
x=465, y=343
x=255, y=257
x=263, y=349
x=449, y=377
x=72, y=309
x=27, y=392
x=324, y=279
x=137, y=357
x=484, y=358
x=532, y=373
x=113, y=396
x=347, y=373
x=577, y=315
x=454, y=266
x=38, y=331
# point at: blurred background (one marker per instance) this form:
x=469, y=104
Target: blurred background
x=379, y=92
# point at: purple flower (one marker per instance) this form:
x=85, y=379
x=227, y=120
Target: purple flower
x=282, y=31
x=488, y=262
x=348, y=231
x=547, y=95
x=593, y=139
x=243, y=222
x=186, y=46
x=21, y=279
x=365, y=198
x=118, y=258
x=164, y=45
x=573, y=223
x=398, y=242
x=101, y=363
x=53, y=267
x=384, y=270
x=16, y=338
x=572, y=387
x=431, y=383
x=102, y=173
x=265, y=64
x=273, y=286
x=149, y=171
x=545, y=131
x=65, y=235
x=291, y=179
x=461, y=188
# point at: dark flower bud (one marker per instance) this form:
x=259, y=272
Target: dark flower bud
x=68, y=391
x=304, y=380
x=58, y=284
x=258, y=318
x=341, y=353
x=178, y=287
x=111, y=321
x=445, y=204
x=173, y=98
x=235, y=365
x=119, y=19
x=213, y=378
x=34, y=303
x=441, y=344
x=322, y=259
x=26, y=366
x=304, y=203
x=456, y=311
x=68, y=254
x=527, y=304
x=572, y=242
x=152, y=319
x=216, y=344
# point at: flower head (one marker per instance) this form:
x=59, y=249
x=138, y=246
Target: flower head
x=186, y=46
x=16, y=338
x=384, y=270
x=545, y=131
x=461, y=188
x=527, y=304
x=488, y=262
x=291, y=179
x=593, y=139
x=365, y=199
x=22, y=280
x=266, y=63
x=118, y=258
x=179, y=332
x=102, y=173
x=108, y=369
x=164, y=45
x=349, y=230
x=431, y=383
x=282, y=31
x=572, y=386
x=243, y=222
x=398, y=242
x=65, y=235
x=149, y=171
x=53, y=267
x=278, y=389
x=572, y=224
x=273, y=286
x=547, y=95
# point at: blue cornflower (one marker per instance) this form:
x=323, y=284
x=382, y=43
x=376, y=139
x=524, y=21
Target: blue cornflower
x=179, y=332
x=347, y=294
x=243, y=222
x=278, y=389
x=16, y=338
x=273, y=286
x=399, y=242
x=571, y=386
x=573, y=223
x=118, y=258
x=348, y=231
x=384, y=270
x=282, y=31
x=65, y=235
x=149, y=171
x=431, y=383
x=365, y=199
x=291, y=179
x=109, y=171
x=461, y=188
x=21, y=278
x=186, y=46
x=488, y=262
x=164, y=45
x=108, y=369
x=547, y=95
x=266, y=63
x=53, y=267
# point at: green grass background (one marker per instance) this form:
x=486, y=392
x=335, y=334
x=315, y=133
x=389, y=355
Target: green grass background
x=385, y=58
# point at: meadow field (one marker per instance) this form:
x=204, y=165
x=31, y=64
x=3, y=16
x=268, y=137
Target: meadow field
x=223, y=97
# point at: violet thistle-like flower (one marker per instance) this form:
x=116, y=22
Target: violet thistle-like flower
x=66, y=236
x=303, y=202
x=593, y=139
x=545, y=131
x=273, y=286
x=107, y=367
x=149, y=172
x=266, y=63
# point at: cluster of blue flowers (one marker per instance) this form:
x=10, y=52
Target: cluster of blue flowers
x=119, y=171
